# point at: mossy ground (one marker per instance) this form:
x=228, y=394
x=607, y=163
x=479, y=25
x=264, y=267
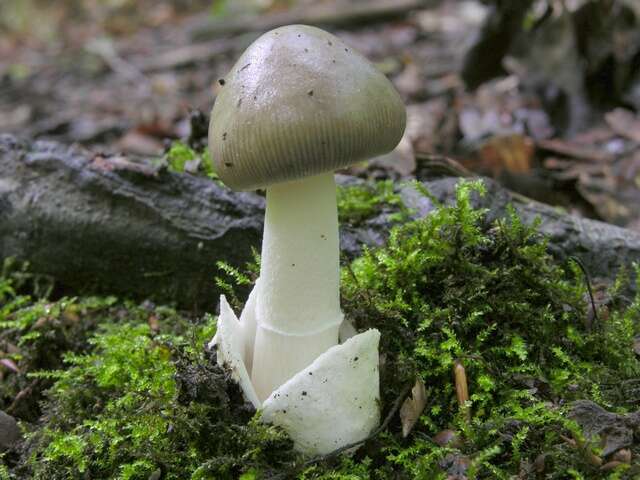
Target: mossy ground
x=111, y=389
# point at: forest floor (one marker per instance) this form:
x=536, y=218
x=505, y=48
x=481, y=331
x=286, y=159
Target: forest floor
x=557, y=122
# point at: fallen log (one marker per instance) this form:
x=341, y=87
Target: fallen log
x=109, y=225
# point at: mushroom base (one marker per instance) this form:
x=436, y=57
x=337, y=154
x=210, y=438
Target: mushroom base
x=277, y=354
x=331, y=403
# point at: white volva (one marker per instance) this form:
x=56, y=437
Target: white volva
x=331, y=403
x=334, y=401
x=298, y=305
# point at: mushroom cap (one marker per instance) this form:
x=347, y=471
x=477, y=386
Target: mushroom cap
x=299, y=102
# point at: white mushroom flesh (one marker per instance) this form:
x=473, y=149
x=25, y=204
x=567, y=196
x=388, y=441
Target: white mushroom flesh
x=334, y=401
x=298, y=312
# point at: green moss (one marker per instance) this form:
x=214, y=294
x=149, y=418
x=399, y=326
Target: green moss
x=232, y=280
x=129, y=386
x=357, y=203
x=142, y=401
x=34, y=334
x=180, y=158
x=137, y=395
x=442, y=291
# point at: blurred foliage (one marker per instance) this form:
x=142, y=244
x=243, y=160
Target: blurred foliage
x=44, y=21
x=585, y=50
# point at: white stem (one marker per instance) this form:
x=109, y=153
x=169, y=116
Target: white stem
x=298, y=303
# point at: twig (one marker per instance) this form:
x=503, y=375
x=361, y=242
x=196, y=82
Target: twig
x=576, y=152
x=587, y=279
x=323, y=458
x=21, y=394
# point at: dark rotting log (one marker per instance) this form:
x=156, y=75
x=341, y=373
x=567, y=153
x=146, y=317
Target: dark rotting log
x=109, y=225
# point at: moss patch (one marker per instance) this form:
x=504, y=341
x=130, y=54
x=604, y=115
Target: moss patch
x=442, y=291
x=357, y=203
x=143, y=398
x=137, y=396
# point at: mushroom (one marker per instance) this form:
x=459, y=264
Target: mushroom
x=296, y=106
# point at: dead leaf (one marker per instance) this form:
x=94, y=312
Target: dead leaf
x=611, y=465
x=622, y=455
x=594, y=135
x=555, y=163
x=462, y=388
x=401, y=160
x=574, y=150
x=10, y=364
x=15, y=118
x=625, y=123
x=412, y=407
x=475, y=124
x=447, y=437
x=628, y=169
x=540, y=463
x=120, y=163
x=424, y=121
x=41, y=322
x=154, y=323
x=604, y=202
x=585, y=449
x=410, y=81
x=511, y=153
x=140, y=144
x=431, y=166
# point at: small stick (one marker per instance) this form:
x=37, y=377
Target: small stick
x=462, y=387
x=587, y=279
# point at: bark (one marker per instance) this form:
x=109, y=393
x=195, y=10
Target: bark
x=108, y=225
x=615, y=430
x=10, y=433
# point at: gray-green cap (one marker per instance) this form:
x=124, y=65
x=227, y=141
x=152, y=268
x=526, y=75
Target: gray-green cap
x=299, y=102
